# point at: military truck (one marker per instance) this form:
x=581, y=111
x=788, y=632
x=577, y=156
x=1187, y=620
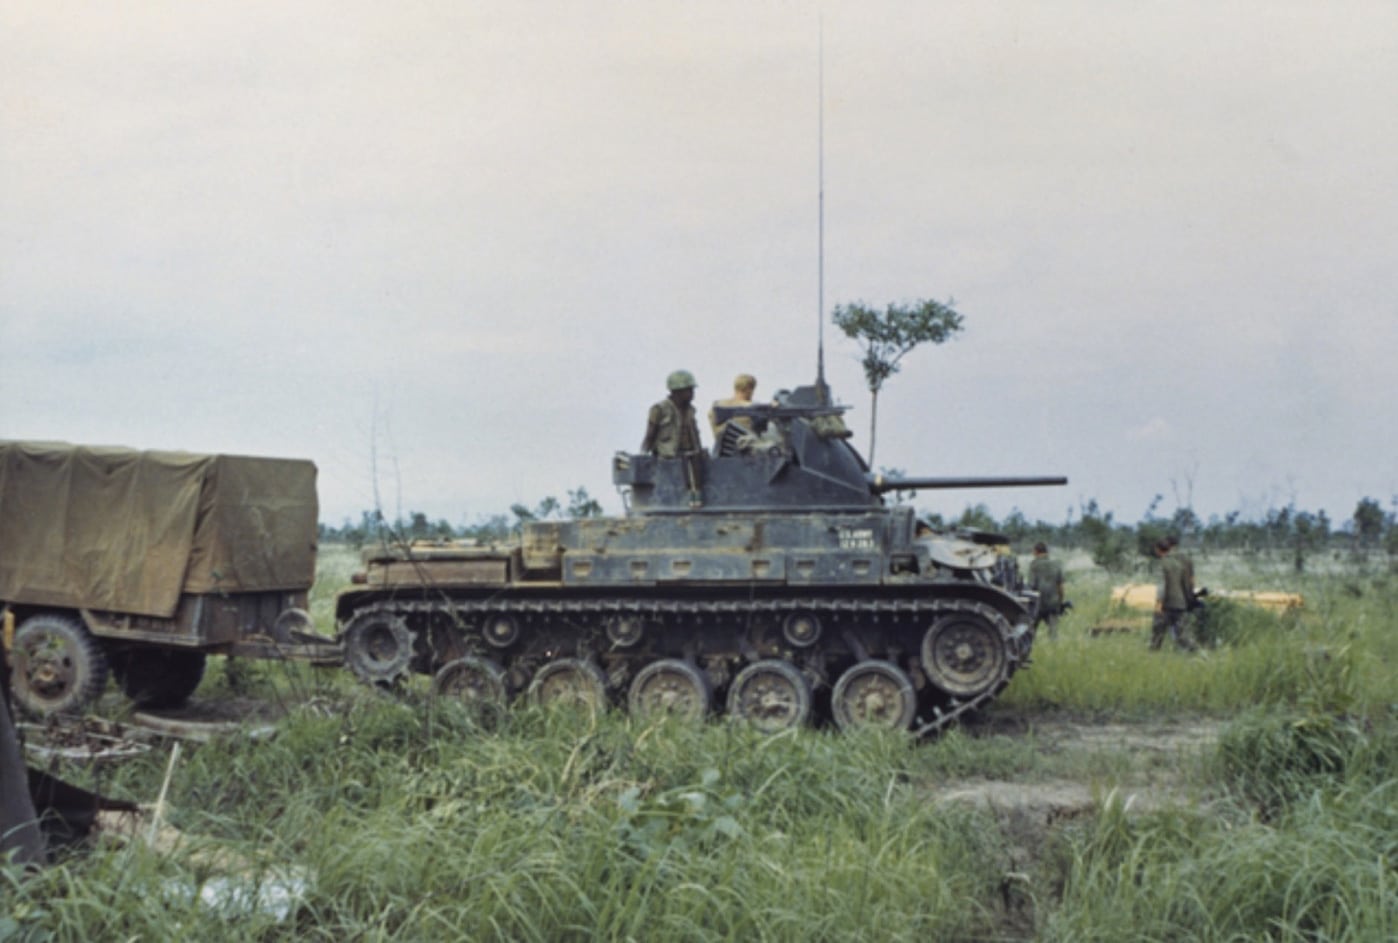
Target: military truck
x=770, y=580
x=140, y=564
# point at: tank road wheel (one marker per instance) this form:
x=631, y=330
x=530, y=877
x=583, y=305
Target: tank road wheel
x=874, y=694
x=378, y=646
x=570, y=681
x=479, y=683
x=801, y=629
x=965, y=654
x=501, y=631
x=670, y=686
x=58, y=664
x=159, y=677
x=771, y=695
x=625, y=631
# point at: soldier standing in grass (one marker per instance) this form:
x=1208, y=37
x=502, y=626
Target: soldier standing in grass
x=1187, y=565
x=672, y=432
x=1192, y=603
x=1172, y=602
x=1046, y=578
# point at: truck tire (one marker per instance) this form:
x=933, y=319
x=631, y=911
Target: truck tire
x=59, y=666
x=159, y=677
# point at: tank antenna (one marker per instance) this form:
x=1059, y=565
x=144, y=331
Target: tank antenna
x=822, y=390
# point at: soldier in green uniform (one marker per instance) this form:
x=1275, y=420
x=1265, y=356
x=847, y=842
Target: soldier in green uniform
x=1193, y=609
x=1187, y=565
x=1046, y=579
x=672, y=432
x=1172, y=603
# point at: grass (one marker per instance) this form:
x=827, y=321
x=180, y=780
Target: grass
x=1323, y=869
x=557, y=827
x=407, y=821
x=1341, y=648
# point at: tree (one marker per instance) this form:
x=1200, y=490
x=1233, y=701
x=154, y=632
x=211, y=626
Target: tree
x=1107, y=541
x=581, y=504
x=1310, y=532
x=888, y=335
x=1368, y=522
x=977, y=517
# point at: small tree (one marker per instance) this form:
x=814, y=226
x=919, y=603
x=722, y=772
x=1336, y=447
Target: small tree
x=1368, y=522
x=1310, y=532
x=1107, y=541
x=888, y=335
x=581, y=504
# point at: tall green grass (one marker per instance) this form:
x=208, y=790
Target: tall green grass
x=1341, y=648
x=408, y=821
x=416, y=825
x=403, y=819
x=1302, y=844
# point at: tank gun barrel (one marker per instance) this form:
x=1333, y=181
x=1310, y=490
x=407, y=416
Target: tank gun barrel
x=879, y=484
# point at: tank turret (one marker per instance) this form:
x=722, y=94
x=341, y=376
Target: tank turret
x=791, y=454
x=787, y=589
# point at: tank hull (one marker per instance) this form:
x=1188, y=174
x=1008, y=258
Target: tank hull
x=683, y=605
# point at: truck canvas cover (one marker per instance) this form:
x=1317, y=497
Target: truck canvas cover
x=129, y=531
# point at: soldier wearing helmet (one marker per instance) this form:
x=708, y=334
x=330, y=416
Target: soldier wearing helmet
x=671, y=429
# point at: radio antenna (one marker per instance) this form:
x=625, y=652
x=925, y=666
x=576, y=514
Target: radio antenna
x=822, y=390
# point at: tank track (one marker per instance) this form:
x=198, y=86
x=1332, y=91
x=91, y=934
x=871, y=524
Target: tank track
x=933, y=720
x=640, y=606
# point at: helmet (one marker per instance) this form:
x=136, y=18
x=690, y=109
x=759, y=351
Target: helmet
x=680, y=380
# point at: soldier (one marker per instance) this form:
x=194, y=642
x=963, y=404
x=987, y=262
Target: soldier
x=744, y=385
x=1046, y=578
x=1190, y=626
x=1172, y=602
x=672, y=432
x=1187, y=566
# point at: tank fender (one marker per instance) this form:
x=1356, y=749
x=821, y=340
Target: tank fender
x=956, y=554
x=1007, y=604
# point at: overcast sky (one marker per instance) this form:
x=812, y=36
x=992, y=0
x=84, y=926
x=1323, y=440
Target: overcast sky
x=453, y=248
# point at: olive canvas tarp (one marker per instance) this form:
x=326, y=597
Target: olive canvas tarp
x=129, y=531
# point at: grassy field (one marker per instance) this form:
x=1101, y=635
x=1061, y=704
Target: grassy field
x=380, y=817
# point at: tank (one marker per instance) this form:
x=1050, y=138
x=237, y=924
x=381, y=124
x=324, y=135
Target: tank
x=771, y=580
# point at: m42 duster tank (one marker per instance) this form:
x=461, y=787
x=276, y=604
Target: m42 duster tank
x=788, y=590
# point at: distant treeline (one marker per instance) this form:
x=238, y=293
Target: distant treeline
x=1113, y=544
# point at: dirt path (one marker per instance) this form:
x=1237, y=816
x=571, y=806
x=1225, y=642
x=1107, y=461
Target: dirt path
x=1143, y=763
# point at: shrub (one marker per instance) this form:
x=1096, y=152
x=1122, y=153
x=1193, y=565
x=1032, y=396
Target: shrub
x=1276, y=758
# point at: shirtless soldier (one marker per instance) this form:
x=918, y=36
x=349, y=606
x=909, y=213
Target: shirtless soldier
x=744, y=385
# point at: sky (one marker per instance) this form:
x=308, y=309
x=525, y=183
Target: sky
x=449, y=251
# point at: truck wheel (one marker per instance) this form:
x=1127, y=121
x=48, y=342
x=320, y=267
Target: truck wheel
x=58, y=665
x=159, y=677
